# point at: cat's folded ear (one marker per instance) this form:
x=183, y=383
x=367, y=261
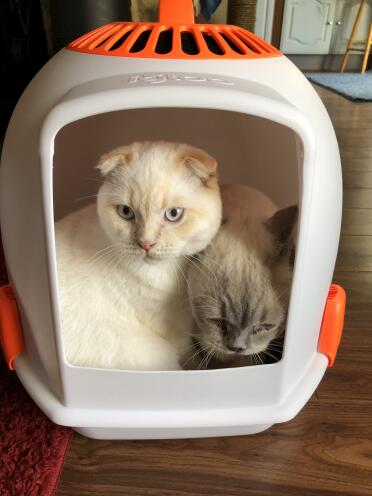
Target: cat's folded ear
x=282, y=225
x=118, y=157
x=201, y=164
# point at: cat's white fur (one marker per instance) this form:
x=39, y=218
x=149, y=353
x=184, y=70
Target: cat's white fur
x=123, y=308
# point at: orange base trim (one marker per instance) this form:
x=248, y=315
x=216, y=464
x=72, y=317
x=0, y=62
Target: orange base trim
x=11, y=338
x=333, y=323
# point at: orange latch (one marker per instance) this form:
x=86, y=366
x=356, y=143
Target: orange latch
x=11, y=338
x=333, y=323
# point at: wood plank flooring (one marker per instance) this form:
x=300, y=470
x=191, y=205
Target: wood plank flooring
x=327, y=449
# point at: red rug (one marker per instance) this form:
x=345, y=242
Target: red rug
x=32, y=448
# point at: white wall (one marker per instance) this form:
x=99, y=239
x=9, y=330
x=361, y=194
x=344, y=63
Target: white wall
x=249, y=150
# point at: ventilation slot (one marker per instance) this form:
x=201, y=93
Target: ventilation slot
x=188, y=43
x=141, y=41
x=231, y=44
x=253, y=47
x=105, y=39
x=89, y=38
x=165, y=42
x=332, y=292
x=118, y=43
x=212, y=44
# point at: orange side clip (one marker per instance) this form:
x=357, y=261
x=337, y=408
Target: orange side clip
x=333, y=323
x=11, y=339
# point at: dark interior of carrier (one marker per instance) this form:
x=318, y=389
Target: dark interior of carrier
x=249, y=149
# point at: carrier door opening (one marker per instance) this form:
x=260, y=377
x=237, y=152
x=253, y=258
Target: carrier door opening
x=250, y=151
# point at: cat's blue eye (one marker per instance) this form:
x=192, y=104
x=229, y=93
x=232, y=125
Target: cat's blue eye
x=173, y=214
x=125, y=212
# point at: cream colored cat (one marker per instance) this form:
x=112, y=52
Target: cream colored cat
x=121, y=263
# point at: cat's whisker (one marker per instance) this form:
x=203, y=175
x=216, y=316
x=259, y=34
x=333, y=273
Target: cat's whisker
x=103, y=252
x=178, y=265
x=259, y=358
x=192, y=357
x=265, y=352
x=179, y=282
x=209, y=358
x=199, y=350
x=94, y=196
x=202, y=261
x=113, y=256
x=197, y=261
x=103, y=258
x=275, y=346
x=206, y=350
x=193, y=335
x=206, y=297
x=211, y=355
x=194, y=264
x=189, y=258
x=117, y=260
x=117, y=191
x=103, y=181
x=110, y=260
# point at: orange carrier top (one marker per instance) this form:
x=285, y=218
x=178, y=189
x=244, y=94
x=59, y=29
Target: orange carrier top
x=175, y=36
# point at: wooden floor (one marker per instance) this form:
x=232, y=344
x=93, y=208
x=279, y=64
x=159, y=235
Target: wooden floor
x=327, y=449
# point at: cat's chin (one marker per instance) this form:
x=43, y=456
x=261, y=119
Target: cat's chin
x=226, y=355
x=153, y=259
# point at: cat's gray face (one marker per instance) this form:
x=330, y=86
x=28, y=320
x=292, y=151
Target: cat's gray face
x=235, y=312
x=238, y=304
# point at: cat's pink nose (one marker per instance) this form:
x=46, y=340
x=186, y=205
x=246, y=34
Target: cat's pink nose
x=146, y=244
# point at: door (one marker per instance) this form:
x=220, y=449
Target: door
x=307, y=26
x=344, y=20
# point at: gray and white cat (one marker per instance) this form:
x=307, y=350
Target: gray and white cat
x=239, y=285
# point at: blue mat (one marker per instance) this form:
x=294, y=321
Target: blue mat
x=354, y=86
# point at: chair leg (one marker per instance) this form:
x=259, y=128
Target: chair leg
x=344, y=60
x=352, y=36
x=368, y=49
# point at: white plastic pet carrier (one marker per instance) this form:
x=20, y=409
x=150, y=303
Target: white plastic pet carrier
x=217, y=87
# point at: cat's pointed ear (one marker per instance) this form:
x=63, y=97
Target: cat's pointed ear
x=282, y=226
x=200, y=163
x=119, y=157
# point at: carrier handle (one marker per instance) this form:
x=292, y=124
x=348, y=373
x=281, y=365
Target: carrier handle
x=333, y=323
x=176, y=12
x=11, y=338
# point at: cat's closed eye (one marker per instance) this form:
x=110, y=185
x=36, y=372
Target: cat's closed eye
x=262, y=328
x=221, y=324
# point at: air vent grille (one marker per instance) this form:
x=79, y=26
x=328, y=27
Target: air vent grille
x=154, y=40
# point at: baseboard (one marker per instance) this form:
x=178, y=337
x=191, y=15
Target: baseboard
x=325, y=62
